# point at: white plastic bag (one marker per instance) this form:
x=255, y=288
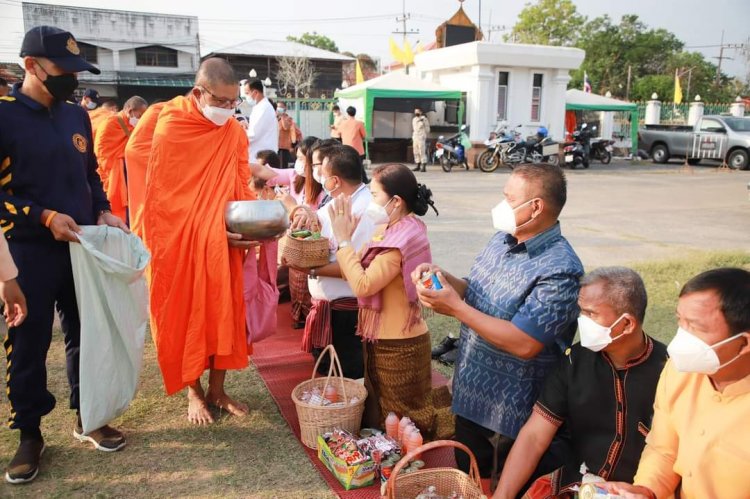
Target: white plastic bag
x=108, y=267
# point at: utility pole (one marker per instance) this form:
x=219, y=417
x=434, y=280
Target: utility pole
x=737, y=46
x=480, y=15
x=627, y=87
x=402, y=19
x=405, y=17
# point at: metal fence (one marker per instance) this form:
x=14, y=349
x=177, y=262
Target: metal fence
x=678, y=113
x=313, y=116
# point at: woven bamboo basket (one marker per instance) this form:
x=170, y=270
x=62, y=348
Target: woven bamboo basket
x=316, y=420
x=305, y=254
x=445, y=480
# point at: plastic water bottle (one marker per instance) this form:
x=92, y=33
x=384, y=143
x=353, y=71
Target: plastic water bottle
x=391, y=425
x=405, y=421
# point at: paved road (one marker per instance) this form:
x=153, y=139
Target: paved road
x=616, y=214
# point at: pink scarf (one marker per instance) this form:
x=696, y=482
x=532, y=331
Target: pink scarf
x=409, y=236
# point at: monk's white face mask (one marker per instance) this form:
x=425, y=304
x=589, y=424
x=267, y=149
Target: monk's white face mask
x=218, y=115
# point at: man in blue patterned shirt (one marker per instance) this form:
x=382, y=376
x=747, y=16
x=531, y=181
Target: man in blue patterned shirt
x=518, y=311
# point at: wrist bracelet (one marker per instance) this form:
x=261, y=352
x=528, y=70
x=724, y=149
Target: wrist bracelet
x=49, y=219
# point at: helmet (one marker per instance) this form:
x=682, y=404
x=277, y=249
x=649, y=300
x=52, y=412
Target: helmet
x=542, y=132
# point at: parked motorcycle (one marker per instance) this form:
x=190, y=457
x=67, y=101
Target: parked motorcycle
x=601, y=149
x=539, y=148
x=452, y=151
x=576, y=153
x=501, y=139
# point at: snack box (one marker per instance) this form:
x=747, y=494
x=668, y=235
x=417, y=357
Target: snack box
x=350, y=477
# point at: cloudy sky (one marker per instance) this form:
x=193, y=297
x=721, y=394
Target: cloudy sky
x=364, y=25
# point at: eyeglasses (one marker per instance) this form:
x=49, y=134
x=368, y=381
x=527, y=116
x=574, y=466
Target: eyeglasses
x=317, y=164
x=225, y=103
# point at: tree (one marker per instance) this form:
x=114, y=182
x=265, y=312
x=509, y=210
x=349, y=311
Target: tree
x=315, y=40
x=296, y=73
x=366, y=62
x=548, y=22
x=612, y=48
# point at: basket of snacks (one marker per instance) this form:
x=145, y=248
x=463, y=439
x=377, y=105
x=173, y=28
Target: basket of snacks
x=325, y=404
x=415, y=482
x=305, y=249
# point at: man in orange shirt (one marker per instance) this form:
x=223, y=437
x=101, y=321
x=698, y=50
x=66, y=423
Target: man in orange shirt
x=137, y=153
x=353, y=132
x=109, y=148
x=198, y=163
x=698, y=443
x=287, y=135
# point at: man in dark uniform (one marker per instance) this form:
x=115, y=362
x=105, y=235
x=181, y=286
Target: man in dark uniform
x=48, y=187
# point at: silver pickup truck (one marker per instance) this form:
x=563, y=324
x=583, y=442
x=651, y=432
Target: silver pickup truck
x=717, y=138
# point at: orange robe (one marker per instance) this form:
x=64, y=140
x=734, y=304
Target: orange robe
x=97, y=116
x=109, y=148
x=137, y=153
x=197, y=305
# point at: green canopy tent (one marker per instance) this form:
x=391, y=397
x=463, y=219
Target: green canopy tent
x=395, y=85
x=578, y=100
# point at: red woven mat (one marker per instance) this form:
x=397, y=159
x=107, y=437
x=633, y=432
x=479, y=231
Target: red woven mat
x=283, y=365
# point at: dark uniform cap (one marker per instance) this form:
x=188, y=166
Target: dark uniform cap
x=57, y=45
x=92, y=94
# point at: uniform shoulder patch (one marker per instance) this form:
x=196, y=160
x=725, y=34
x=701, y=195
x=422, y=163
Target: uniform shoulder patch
x=7, y=98
x=80, y=142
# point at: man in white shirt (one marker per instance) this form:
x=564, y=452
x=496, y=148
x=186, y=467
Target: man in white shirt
x=263, y=129
x=333, y=317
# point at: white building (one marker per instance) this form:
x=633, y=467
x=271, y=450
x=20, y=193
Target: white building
x=152, y=55
x=520, y=84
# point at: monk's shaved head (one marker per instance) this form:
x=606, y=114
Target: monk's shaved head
x=215, y=72
x=135, y=102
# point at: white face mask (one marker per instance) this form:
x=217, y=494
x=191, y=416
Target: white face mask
x=594, y=336
x=91, y=105
x=378, y=214
x=133, y=121
x=691, y=354
x=504, y=217
x=218, y=115
x=299, y=168
x=316, y=176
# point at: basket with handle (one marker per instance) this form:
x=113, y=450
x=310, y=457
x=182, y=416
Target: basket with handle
x=445, y=480
x=315, y=419
x=305, y=254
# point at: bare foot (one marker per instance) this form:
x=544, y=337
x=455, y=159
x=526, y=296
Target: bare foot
x=198, y=412
x=222, y=401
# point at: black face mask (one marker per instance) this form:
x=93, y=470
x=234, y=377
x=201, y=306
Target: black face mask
x=62, y=86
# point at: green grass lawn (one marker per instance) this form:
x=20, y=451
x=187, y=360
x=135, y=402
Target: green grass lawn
x=256, y=456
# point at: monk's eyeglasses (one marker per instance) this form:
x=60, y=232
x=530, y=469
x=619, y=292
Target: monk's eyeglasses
x=225, y=103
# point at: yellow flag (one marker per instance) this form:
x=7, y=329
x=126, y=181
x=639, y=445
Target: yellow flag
x=677, y=89
x=408, y=54
x=396, y=52
x=360, y=78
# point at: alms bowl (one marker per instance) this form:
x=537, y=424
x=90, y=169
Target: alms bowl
x=257, y=220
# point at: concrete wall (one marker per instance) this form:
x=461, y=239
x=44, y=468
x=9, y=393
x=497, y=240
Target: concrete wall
x=480, y=82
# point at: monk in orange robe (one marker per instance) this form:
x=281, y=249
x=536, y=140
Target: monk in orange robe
x=137, y=152
x=198, y=163
x=109, y=148
x=101, y=113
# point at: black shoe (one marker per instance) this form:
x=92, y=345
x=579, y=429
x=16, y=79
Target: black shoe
x=424, y=167
x=298, y=325
x=449, y=358
x=444, y=346
x=416, y=168
x=24, y=467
